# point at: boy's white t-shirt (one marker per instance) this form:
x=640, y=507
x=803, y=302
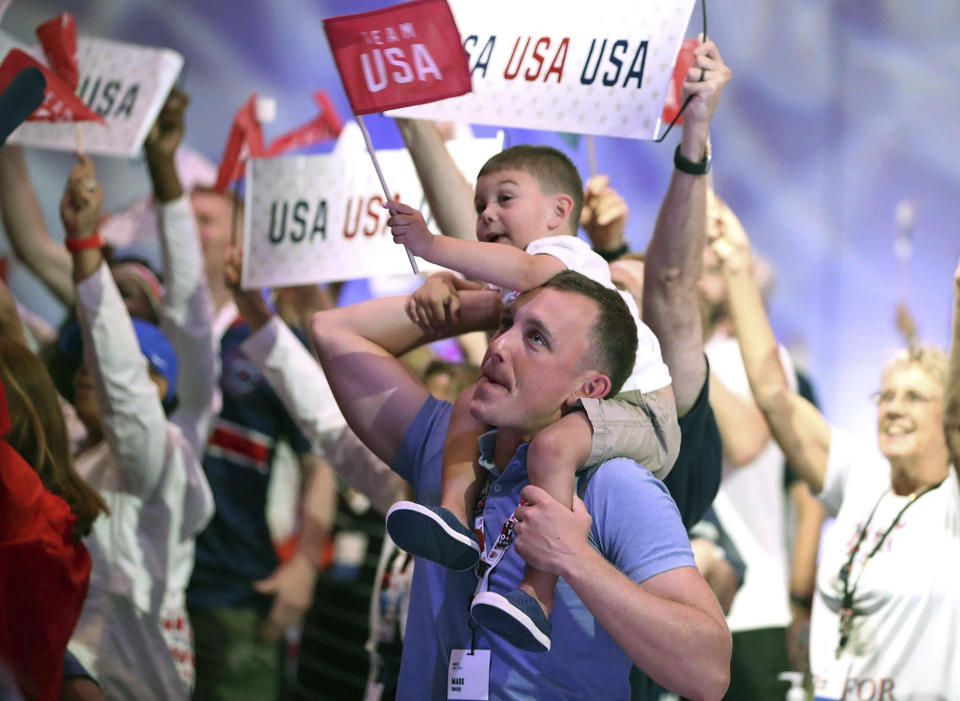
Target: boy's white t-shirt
x=906, y=639
x=650, y=373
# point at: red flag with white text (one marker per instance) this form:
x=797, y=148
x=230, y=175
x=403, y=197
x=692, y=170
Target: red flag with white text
x=402, y=55
x=59, y=102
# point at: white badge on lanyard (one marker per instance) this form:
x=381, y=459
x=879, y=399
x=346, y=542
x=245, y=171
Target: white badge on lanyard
x=374, y=692
x=468, y=676
x=833, y=686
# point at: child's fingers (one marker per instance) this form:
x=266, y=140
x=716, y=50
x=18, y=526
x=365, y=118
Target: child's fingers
x=438, y=311
x=453, y=306
x=395, y=208
x=411, y=308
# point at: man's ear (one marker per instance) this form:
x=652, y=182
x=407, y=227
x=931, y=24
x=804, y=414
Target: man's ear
x=594, y=386
x=560, y=211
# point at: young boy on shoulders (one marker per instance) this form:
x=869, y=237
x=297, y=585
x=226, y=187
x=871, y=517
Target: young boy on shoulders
x=528, y=201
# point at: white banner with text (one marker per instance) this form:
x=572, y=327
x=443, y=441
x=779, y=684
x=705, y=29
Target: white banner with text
x=321, y=218
x=601, y=67
x=126, y=84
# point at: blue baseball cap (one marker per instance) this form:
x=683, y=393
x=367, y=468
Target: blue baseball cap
x=153, y=344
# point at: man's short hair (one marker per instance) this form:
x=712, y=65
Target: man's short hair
x=613, y=337
x=228, y=195
x=555, y=173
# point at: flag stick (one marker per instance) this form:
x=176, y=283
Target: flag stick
x=383, y=183
x=235, y=224
x=79, y=138
x=591, y=155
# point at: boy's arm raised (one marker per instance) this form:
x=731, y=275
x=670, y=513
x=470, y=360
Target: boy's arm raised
x=496, y=263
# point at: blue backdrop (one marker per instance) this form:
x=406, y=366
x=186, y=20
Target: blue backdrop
x=837, y=111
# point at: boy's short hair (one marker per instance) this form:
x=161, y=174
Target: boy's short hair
x=552, y=168
x=613, y=337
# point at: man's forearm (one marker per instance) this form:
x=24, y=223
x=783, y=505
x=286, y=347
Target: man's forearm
x=448, y=193
x=357, y=347
x=670, y=299
x=681, y=647
x=384, y=322
x=743, y=429
x=163, y=175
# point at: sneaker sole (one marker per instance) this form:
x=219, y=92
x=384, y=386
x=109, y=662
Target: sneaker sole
x=406, y=517
x=496, y=614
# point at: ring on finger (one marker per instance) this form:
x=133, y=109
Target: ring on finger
x=91, y=185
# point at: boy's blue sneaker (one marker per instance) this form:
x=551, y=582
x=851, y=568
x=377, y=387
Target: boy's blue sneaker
x=517, y=617
x=433, y=533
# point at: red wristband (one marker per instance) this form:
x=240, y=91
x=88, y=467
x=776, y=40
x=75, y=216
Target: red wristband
x=95, y=240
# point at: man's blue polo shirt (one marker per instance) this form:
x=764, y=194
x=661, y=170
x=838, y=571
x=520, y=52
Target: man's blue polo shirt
x=635, y=523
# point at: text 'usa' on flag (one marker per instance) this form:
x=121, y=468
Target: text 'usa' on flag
x=402, y=55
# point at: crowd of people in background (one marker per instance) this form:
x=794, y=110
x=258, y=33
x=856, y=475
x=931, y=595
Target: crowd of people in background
x=511, y=518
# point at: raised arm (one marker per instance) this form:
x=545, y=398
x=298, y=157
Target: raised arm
x=357, y=347
x=28, y=234
x=951, y=405
x=134, y=424
x=186, y=315
x=448, y=193
x=496, y=263
x=797, y=425
x=670, y=304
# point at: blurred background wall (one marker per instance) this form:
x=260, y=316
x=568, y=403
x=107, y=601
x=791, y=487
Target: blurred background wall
x=838, y=110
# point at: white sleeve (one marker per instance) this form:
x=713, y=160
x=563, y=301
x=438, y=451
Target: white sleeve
x=297, y=379
x=575, y=255
x=134, y=424
x=303, y=388
x=186, y=317
x=839, y=460
x=650, y=373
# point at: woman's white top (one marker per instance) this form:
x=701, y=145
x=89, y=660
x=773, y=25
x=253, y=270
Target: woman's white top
x=905, y=642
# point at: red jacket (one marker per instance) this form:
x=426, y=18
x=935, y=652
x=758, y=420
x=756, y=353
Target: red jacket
x=44, y=574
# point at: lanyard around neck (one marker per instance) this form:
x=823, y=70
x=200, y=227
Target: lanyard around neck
x=491, y=558
x=850, y=591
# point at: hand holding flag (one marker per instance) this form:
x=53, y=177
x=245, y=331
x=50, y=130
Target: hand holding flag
x=402, y=55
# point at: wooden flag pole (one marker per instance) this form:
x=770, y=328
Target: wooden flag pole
x=383, y=183
x=79, y=138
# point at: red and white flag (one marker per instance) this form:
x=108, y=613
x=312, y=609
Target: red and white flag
x=58, y=37
x=324, y=126
x=402, y=55
x=59, y=102
x=244, y=141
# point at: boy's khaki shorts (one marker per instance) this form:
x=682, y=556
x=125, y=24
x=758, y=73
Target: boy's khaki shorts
x=642, y=427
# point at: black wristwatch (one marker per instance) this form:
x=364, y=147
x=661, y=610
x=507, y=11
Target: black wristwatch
x=685, y=165
x=612, y=254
